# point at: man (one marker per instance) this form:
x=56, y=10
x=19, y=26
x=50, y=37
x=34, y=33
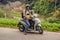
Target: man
x=25, y=18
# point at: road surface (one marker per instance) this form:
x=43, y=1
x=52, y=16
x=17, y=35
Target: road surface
x=14, y=34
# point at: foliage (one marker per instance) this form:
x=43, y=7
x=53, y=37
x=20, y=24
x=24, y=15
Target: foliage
x=45, y=25
x=13, y=13
x=53, y=20
x=9, y=14
x=1, y=12
x=9, y=22
x=45, y=6
x=51, y=26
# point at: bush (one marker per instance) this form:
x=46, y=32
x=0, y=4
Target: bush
x=9, y=22
x=45, y=6
x=1, y=12
x=51, y=26
x=13, y=13
x=9, y=14
x=53, y=20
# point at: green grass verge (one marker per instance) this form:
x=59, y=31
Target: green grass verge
x=8, y=22
x=13, y=24
x=51, y=26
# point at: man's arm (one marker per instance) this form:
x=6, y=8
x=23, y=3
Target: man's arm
x=24, y=13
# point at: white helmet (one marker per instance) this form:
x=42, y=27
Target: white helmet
x=27, y=5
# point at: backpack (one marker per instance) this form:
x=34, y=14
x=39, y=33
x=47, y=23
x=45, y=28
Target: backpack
x=22, y=14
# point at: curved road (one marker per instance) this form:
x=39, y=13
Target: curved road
x=14, y=34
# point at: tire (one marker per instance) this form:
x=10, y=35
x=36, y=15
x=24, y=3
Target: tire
x=20, y=27
x=39, y=28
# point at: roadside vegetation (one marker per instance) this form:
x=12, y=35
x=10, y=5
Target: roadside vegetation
x=51, y=26
x=49, y=12
x=8, y=14
x=13, y=24
x=8, y=22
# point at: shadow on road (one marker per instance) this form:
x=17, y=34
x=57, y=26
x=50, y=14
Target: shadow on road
x=33, y=32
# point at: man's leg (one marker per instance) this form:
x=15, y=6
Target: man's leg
x=27, y=25
x=27, y=22
x=31, y=23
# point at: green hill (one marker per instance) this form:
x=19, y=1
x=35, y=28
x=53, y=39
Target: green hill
x=47, y=8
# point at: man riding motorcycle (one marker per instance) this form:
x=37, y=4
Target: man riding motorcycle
x=25, y=15
x=29, y=20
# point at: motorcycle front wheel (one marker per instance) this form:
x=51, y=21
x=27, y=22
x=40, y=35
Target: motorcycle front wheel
x=40, y=29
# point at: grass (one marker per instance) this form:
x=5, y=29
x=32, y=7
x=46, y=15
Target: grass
x=51, y=26
x=13, y=13
x=8, y=22
x=9, y=14
x=13, y=24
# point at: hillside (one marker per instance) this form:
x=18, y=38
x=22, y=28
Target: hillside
x=11, y=9
x=47, y=8
x=49, y=12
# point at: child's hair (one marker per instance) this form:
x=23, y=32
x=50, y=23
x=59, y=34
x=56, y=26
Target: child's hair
x=32, y=11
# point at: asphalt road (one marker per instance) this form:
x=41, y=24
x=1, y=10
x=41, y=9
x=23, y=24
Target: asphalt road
x=14, y=34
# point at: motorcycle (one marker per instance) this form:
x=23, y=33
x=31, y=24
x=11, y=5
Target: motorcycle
x=36, y=25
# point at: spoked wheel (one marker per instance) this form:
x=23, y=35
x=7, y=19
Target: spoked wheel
x=40, y=29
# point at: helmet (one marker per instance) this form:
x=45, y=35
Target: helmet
x=27, y=5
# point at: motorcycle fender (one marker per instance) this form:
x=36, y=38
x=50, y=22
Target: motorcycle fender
x=39, y=24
